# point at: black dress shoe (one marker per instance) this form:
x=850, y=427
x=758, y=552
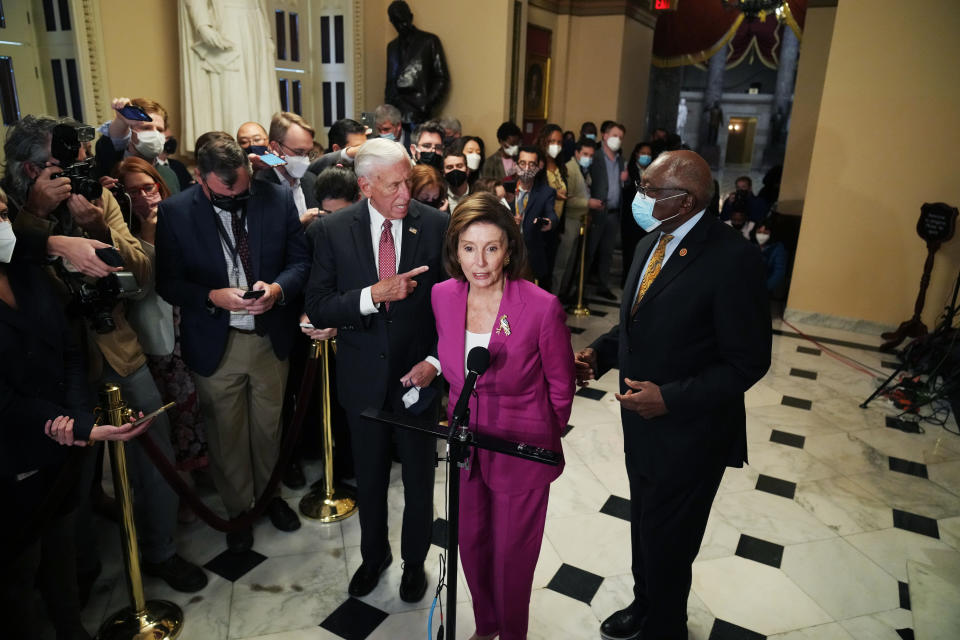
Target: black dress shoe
x=622, y=625
x=282, y=516
x=293, y=478
x=413, y=584
x=181, y=575
x=606, y=294
x=367, y=576
x=240, y=541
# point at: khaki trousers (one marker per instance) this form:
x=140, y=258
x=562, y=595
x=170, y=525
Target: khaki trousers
x=241, y=404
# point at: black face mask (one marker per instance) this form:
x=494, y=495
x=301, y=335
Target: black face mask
x=431, y=158
x=456, y=177
x=737, y=225
x=229, y=203
x=436, y=203
x=258, y=149
x=170, y=146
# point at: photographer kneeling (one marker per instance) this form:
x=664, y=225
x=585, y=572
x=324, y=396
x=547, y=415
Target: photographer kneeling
x=74, y=219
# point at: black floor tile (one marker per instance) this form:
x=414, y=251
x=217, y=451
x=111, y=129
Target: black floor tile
x=789, y=439
x=233, y=566
x=776, y=486
x=918, y=524
x=590, y=392
x=810, y=351
x=439, y=536
x=803, y=373
x=906, y=634
x=567, y=429
x=761, y=551
x=723, y=630
x=598, y=313
x=887, y=364
x=910, y=426
x=593, y=302
x=797, y=403
x=617, y=507
x=904, y=595
x=576, y=330
x=354, y=620
x=823, y=340
x=575, y=583
x=906, y=466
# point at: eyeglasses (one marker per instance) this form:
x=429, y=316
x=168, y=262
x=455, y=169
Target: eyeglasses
x=428, y=146
x=150, y=187
x=651, y=192
x=524, y=164
x=296, y=152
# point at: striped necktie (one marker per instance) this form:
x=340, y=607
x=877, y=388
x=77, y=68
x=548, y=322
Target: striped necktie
x=652, y=270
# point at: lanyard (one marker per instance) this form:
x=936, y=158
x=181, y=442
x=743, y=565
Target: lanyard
x=231, y=246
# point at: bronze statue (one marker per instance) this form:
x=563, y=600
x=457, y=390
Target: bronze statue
x=417, y=77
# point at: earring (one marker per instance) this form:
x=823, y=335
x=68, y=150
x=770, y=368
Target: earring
x=507, y=261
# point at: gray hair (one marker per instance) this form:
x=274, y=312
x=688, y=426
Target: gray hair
x=224, y=158
x=451, y=123
x=430, y=126
x=28, y=142
x=387, y=113
x=378, y=152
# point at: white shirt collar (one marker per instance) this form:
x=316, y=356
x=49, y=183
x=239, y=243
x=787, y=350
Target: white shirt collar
x=284, y=180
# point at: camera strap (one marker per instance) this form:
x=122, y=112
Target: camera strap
x=231, y=244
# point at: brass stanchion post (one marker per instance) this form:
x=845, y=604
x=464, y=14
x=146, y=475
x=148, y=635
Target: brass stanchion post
x=155, y=619
x=580, y=310
x=326, y=502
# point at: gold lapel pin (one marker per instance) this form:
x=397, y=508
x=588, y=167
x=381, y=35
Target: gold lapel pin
x=413, y=230
x=504, y=326
x=683, y=251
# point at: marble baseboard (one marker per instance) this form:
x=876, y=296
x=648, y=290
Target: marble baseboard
x=868, y=327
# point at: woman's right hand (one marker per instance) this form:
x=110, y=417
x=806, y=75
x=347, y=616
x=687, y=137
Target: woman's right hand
x=123, y=433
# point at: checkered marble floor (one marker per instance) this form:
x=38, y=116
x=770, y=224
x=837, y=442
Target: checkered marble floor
x=824, y=535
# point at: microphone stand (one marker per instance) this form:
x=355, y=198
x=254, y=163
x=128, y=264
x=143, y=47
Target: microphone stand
x=459, y=440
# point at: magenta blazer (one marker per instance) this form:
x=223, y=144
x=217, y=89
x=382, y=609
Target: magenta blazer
x=526, y=393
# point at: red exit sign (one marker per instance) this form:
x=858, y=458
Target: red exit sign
x=664, y=5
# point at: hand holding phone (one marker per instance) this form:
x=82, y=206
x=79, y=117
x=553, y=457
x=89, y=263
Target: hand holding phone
x=272, y=160
x=133, y=112
x=253, y=295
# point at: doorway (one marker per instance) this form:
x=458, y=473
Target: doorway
x=740, y=134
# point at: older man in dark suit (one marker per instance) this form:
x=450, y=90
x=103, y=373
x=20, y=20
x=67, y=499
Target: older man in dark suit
x=694, y=335
x=374, y=263
x=231, y=253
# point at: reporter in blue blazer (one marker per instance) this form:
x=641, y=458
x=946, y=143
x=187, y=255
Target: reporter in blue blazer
x=218, y=243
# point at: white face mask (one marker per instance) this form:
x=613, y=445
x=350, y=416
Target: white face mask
x=553, y=150
x=512, y=150
x=762, y=238
x=149, y=144
x=614, y=143
x=297, y=166
x=7, y=241
x=473, y=161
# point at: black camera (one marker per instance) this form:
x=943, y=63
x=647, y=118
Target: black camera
x=65, y=146
x=95, y=298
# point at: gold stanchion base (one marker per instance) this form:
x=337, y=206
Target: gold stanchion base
x=161, y=620
x=316, y=505
x=581, y=312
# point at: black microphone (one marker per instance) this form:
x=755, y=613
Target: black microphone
x=477, y=362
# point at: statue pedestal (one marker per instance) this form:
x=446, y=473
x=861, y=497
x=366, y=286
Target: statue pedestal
x=711, y=153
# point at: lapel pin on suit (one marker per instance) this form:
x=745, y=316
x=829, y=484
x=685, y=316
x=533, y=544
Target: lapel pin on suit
x=413, y=230
x=683, y=252
x=504, y=325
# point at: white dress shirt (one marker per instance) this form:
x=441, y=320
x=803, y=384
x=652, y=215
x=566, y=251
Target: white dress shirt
x=298, y=198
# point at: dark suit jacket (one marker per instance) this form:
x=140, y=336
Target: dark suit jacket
x=702, y=332
x=598, y=174
x=308, y=183
x=539, y=205
x=190, y=263
x=374, y=351
x=44, y=376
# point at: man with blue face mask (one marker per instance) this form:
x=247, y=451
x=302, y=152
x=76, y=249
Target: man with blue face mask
x=694, y=335
x=291, y=138
x=388, y=123
x=124, y=137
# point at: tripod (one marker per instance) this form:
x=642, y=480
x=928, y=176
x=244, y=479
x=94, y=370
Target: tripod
x=459, y=440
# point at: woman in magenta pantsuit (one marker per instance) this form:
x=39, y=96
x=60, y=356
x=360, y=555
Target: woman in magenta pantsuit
x=525, y=395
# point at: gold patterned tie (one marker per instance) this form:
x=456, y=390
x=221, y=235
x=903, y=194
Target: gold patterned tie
x=652, y=270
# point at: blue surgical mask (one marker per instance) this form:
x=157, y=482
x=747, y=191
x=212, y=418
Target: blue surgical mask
x=388, y=136
x=585, y=161
x=590, y=136
x=643, y=160
x=643, y=211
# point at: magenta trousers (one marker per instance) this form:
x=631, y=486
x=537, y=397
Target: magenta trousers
x=500, y=537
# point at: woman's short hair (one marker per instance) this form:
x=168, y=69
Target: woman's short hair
x=133, y=164
x=486, y=208
x=423, y=176
x=487, y=185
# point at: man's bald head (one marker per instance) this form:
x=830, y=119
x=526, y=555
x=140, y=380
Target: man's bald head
x=686, y=170
x=251, y=133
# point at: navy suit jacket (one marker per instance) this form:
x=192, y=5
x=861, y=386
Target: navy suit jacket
x=539, y=205
x=374, y=351
x=191, y=263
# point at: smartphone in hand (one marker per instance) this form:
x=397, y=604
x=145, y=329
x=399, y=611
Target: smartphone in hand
x=272, y=160
x=133, y=112
x=253, y=295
